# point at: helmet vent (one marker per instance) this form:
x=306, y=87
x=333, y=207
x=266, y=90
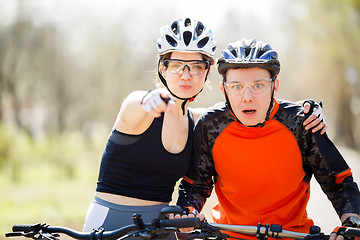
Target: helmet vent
x=187, y=37
x=234, y=53
x=187, y=22
x=247, y=51
x=260, y=53
x=202, y=42
x=199, y=29
x=175, y=27
x=171, y=41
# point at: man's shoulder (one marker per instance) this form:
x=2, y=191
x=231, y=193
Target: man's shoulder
x=291, y=115
x=291, y=108
x=219, y=112
x=214, y=111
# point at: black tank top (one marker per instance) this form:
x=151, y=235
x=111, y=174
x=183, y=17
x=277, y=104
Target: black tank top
x=139, y=166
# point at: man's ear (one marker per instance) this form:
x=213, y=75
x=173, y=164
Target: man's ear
x=221, y=86
x=276, y=86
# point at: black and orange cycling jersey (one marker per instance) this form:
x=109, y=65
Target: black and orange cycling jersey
x=263, y=174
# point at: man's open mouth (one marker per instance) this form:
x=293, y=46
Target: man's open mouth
x=249, y=111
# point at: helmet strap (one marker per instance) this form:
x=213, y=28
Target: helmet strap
x=185, y=100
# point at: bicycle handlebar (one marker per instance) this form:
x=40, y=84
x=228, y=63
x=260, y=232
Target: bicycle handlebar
x=26, y=229
x=211, y=228
x=159, y=226
x=177, y=223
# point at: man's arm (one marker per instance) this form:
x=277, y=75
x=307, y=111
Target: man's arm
x=193, y=193
x=333, y=174
x=335, y=178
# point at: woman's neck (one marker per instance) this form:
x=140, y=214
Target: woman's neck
x=178, y=110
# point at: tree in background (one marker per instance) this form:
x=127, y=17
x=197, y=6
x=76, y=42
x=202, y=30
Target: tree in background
x=326, y=62
x=31, y=74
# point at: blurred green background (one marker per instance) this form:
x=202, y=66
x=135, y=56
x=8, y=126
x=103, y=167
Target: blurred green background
x=66, y=66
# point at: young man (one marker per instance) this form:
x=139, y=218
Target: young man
x=257, y=153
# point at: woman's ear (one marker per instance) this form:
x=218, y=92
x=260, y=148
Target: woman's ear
x=162, y=69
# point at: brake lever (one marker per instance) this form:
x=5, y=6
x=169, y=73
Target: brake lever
x=316, y=236
x=14, y=234
x=204, y=234
x=149, y=234
x=197, y=235
x=50, y=236
x=208, y=231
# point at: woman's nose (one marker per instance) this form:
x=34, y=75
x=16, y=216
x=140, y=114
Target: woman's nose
x=185, y=72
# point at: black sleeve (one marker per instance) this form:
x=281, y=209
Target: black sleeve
x=195, y=193
x=333, y=174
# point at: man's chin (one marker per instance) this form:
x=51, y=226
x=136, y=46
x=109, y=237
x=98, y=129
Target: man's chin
x=250, y=122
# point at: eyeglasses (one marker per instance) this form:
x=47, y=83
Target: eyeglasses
x=257, y=86
x=194, y=66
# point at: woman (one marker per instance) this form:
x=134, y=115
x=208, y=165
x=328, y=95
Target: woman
x=150, y=147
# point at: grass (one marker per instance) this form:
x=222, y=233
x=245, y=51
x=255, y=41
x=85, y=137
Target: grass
x=51, y=184
x=44, y=196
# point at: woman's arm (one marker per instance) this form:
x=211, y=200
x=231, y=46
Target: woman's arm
x=140, y=108
x=131, y=115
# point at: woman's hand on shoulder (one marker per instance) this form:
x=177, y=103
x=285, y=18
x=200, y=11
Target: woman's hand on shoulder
x=317, y=120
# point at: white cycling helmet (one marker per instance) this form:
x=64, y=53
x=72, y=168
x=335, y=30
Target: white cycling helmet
x=186, y=35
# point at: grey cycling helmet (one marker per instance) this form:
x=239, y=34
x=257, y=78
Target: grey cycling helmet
x=186, y=35
x=249, y=53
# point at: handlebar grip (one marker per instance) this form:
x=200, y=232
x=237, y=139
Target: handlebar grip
x=352, y=232
x=26, y=227
x=181, y=223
